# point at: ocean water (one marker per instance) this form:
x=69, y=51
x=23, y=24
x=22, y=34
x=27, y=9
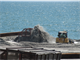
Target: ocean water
x=53, y=16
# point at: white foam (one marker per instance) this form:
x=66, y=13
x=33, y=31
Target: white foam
x=75, y=42
x=11, y=42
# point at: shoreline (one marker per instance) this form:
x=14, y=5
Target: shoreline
x=8, y=41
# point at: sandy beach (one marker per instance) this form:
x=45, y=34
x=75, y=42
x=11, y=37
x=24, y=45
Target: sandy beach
x=64, y=48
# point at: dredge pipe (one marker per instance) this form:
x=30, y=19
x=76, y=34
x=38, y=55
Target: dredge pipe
x=9, y=34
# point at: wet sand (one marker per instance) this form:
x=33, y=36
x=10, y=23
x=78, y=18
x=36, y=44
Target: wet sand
x=64, y=48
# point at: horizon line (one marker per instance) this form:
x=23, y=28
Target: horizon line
x=39, y=1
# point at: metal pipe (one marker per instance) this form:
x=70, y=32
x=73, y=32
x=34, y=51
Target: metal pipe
x=9, y=34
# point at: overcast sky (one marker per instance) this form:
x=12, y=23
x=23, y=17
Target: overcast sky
x=39, y=0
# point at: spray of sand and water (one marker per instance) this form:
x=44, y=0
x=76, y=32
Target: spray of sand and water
x=40, y=35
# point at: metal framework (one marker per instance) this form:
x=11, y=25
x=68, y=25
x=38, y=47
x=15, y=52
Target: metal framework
x=26, y=32
x=30, y=53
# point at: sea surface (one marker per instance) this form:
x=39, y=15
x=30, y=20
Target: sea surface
x=53, y=16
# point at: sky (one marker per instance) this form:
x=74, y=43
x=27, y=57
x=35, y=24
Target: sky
x=39, y=0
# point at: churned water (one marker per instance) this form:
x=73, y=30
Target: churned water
x=53, y=16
